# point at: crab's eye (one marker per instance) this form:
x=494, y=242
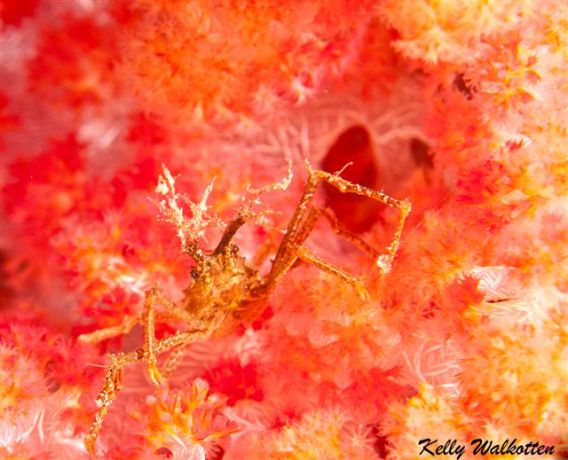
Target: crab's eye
x=194, y=273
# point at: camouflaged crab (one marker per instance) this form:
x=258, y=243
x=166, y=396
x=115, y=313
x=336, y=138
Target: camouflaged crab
x=224, y=290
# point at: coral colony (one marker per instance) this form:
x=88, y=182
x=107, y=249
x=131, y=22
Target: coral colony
x=206, y=221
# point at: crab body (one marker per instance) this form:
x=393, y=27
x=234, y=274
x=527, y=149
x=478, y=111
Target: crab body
x=222, y=284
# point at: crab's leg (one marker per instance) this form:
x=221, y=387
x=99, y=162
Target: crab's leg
x=347, y=235
x=305, y=255
x=174, y=312
x=383, y=261
x=109, y=332
x=229, y=233
x=174, y=360
x=309, y=223
x=154, y=296
x=296, y=251
x=112, y=385
x=113, y=379
x=305, y=217
x=150, y=337
x=285, y=258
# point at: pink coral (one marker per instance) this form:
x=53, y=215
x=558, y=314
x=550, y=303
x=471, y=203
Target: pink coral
x=46, y=386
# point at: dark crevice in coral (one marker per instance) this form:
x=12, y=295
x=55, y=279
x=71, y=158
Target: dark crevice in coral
x=357, y=214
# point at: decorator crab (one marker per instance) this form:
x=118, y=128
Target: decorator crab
x=225, y=290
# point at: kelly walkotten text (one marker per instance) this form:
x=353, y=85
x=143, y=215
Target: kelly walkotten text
x=433, y=447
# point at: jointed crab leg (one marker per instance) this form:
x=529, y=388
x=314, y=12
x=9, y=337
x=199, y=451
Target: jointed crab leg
x=174, y=360
x=305, y=217
x=109, y=332
x=383, y=261
x=174, y=312
x=347, y=235
x=113, y=379
x=305, y=255
x=314, y=215
x=149, y=336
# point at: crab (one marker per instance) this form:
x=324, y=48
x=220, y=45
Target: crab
x=225, y=290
